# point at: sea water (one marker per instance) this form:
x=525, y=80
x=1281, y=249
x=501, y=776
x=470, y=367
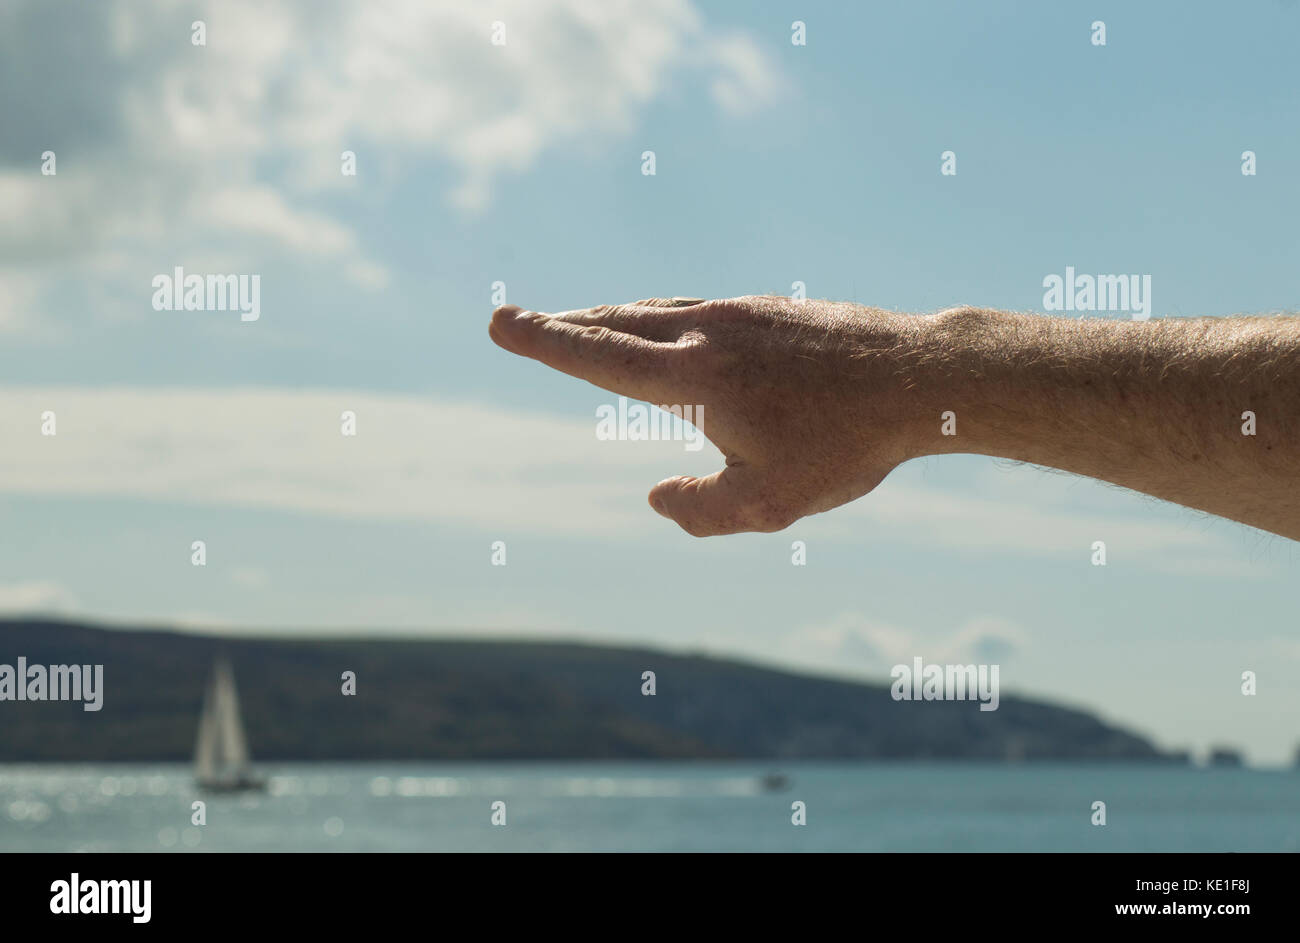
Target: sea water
x=654, y=807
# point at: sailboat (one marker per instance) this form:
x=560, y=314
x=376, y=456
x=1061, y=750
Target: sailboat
x=221, y=761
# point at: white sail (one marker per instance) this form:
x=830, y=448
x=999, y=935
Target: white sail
x=205, y=749
x=221, y=751
x=234, y=746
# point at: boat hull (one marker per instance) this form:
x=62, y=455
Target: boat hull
x=238, y=784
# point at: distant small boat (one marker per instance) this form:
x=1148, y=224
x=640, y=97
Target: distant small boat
x=1224, y=756
x=775, y=782
x=221, y=760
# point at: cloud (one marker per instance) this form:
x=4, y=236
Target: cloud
x=1281, y=648
x=250, y=577
x=747, y=82
x=856, y=645
x=18, y=293
x=34, y=596
x=463, y=463
x=166, y=150
x=263, y=211
x=1034, y=513
x=412, y=458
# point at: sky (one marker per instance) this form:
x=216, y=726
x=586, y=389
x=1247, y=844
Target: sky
x=520, y=163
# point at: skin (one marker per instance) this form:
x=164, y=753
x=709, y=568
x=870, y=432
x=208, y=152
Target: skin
x=813, y=403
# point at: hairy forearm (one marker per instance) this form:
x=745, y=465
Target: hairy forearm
x=1156, y=406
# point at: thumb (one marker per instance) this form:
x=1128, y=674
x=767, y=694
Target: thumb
x=727, y=502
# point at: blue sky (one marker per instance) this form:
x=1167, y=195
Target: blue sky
x=522, y=164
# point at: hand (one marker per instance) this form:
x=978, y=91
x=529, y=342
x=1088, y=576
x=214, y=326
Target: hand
x=813, y=403
x=803, y=398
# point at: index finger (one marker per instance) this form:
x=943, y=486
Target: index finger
x=654, y=322
x=615, y=361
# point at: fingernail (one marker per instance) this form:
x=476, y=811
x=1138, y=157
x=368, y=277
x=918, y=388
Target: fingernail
x=658, y=505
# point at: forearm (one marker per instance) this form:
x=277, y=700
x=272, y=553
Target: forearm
x=1156, y=406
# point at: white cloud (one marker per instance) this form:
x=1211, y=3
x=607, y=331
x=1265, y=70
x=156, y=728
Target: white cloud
x=35, y=596
x=18, y=293
x=248, y=577
x=1026, y=511
x=420, y=458
x=858, y=646
x=263, y=211
x=412, y=459
x=748, y=80
x=1287, y=649
x=166, y=149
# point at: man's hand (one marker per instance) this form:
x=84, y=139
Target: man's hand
x=802, y=398
x=813, y=403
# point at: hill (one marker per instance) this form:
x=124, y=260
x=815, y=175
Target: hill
x=474, y=700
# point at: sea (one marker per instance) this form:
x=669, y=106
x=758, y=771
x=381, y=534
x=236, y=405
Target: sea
x=655, y=807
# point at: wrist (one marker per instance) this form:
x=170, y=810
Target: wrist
x=962, y=381
x=1033, y=388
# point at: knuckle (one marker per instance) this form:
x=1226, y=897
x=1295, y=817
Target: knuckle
x=685, y=360
x=698, y=350
x=708, y=365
